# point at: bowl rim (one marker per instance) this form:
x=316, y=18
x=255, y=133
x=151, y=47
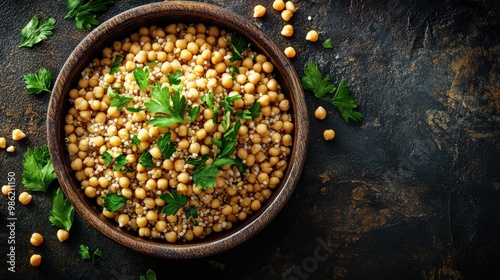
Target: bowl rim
x=220, y=17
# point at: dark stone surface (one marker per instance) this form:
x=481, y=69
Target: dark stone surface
x=410, y=193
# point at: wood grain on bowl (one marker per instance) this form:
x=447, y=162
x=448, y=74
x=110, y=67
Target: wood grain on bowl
x=161, y=14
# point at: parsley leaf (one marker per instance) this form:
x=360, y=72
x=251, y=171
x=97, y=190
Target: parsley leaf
x=141, y=76
x=84, y=13
x=146, y=160
x=252, y=113
x=133, y=109
x=198, y=161
x=120, y=162
x=175, y=202
x=119, y=101
x=174, y=78
x=233, y=70
x=166, y=145
x=62, y=213
x=116, y=65
x=152, y=63
x=223, y=161
x=107, y=157
x=161, y=104
x=327, y=44
x=150, y=275
x=345, y=103
x=209, y=100
x=205, y=176
x=38, y=169
x=98, y=253
x=239, y=45
x=84, y=252
x=38, y=83
x=192, y=212
x=35, y=31
x=136, y=140
x=113, y=202
x=193, y=112
x=242, y=168
x=313, y=80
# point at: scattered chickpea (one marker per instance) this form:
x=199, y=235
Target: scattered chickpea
x=62, y=235
x=25, y=198
x=312, y=36
x=36, y=239
x=11, y=149
x=286, y=15
x=290, y=52
x=259, y=11
x=6, y=189
x=320, y=113
x=35, y=260
x=290, y=6
x=329, y=134
x=279, y=5
x=18, y=134
x=3, y=143
x=287, y=30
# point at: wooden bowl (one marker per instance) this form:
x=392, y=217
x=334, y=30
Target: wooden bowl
x=161, y=14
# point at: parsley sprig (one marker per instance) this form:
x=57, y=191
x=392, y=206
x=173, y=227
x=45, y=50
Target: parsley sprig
x=175, y=202
x=38, y=169
x=85, y=254
x=116, y=65
x=314, y=81
x=113, y=202
x=239, y=45
x=150, y=275
x=120, y=160
x=118, y=100
x=84, y=13
x=38, y=83
x=62, y=213
x=36, y=31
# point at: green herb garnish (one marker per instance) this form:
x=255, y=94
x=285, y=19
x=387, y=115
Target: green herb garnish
x=150, y=275
x=62, y=213
x=175, y=202
x=113, y=202
x=320, y=86
x=166, y=145
x=327, y=44
x=141, y=76
x=161, y=104
x=252, y=113
x=36, y=31
x=136, y=140
x=85, y=254
x=116, y=65
x=108, y=158
x=146, y=160
x=120, y=162
x=205, y=176
x=38, y=83
x=38, y=169
x=85, y=13
x=117, y=100
x=239, y=45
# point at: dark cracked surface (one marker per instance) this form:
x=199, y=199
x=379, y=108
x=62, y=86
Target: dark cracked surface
x=412, y=192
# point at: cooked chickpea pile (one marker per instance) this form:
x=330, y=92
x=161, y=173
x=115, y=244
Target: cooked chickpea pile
x=203, y=55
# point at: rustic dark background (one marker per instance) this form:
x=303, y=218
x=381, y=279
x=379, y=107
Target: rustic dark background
x=413, y=192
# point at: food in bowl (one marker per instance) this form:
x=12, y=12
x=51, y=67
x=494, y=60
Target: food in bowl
x=179, y=131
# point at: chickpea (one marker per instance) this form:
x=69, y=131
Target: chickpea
x=36, y=239
x=62, y=235
x=320, y=113
x=3, y=143
x=312, y=36
x=279, y=5
x=25, y=198
x=286, y=15
x=35, y=260
x=287, y=30
x=11, y=149
x=18, y=134
x=6, y=189
x=259, y=11
x=329, y=134
x=290, y=52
